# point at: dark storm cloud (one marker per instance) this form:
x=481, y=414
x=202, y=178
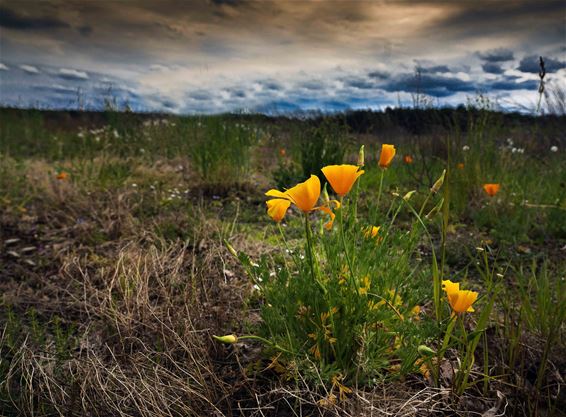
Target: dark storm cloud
x=379, y=74
x=497, y=55
x=531, y=64
x=232, y=3
x=496, y=15
x=200, y=95
x=236, y=93
x=271, y=85
x=434, y=69
x=511, y=84
x=12, y=20
x=492, y=68
x=85, y=30
x=311, y=85
x=359, y=83
x=433, y=85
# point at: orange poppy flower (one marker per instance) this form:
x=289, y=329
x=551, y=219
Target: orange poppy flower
x=386, y=156
x=342, y=177
x=460, y=300
x=408, y=159
x=277, y=208
x=304, y=195
x=62, y=175
x=282, y=152
x=460, y=165
x=491, y=189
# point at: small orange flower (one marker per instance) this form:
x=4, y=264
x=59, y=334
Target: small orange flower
x=408, y=159
x=342, y=177
x=491, y=189
x=282, y=152
x=277, y=208
x=386, y=156
x=460, y=300
x=62, y=175
x=460, y=165
x=371, y=231
x=304, y=195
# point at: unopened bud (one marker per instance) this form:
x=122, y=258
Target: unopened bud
x=425, y=350
x=361, y=157
x=438, y=183
x=408, y=196
x=229, y=339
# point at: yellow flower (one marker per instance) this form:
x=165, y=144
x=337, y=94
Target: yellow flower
x=491, y=189
x=462, y=300
x=450, y=287
x=415, y=312
x=303, y=195
x=386, y=156
x=371, y=231
x=342, y=177
x=366, y=286
x=277, y=208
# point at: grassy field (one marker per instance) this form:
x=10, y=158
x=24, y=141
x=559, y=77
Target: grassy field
x=128, y=241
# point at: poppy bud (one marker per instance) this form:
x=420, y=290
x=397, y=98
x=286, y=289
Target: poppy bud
x=438, y=183
x=361, y=157
x=229, y=339
x=426, y=351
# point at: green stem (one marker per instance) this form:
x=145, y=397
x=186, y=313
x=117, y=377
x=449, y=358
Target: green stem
x=286, y=244
x=380, y=187
x=342, y=235
x=267, y=342
x=309, y=245
x=356, y=195
x=310, y=255
x=424, y=204
x=442, y=350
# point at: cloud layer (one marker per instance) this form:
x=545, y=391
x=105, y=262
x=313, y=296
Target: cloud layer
x=228, y=55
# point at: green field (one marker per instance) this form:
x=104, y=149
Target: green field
x=127, y=241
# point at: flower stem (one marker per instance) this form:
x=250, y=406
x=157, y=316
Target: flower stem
x=380, y=187
x=343, y=238
x=267, y=342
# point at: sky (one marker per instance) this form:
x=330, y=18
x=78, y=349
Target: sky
x=277, y=56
